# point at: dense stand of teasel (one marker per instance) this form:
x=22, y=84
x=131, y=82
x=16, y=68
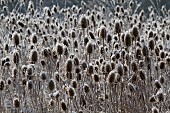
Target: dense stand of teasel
x=80, y=60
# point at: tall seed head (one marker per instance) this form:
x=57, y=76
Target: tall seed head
x=135, y=31
x=59, y=49
x=16, y=103
x=16, y=57
x=2, y=85
x=64, y=106
x=103, y=32
x=69, y=65
x=89, y=48
x=117, y=27
x=34, y=56
x=83, y=22
x=16, y=38
x=111, y=77
x=128, y=40
x=120, y=69
x=30, y=84
x=51, y=85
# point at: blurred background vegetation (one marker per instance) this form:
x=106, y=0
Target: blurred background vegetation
x=110, y=4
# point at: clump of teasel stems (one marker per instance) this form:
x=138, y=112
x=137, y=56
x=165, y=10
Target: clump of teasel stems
x=84, y=59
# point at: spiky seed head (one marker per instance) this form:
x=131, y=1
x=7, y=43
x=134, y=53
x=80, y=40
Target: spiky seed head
x=30, y=84
x=161, y=65
x=74, y=84
x=162, y=54
x=2, y=85
x=157, y=84
x=59, y=49
x=131, y=87
x=43, y=76
x=76, y=61
x=83, y=22
x=9, y=81
x=69, y=65
x=151, y=44
x=103, y=32
x=162, y=79
x=128, y=40
x=71, y=92
x=111, y=77
x=34, y=56
x=89, y=48
x=86, y=88
x=138, y=53
x=117, y=27
x=119, y=68
x=142, y=75
x=16, y=57
x=108, y=67
x=34, y=38
x=160, y=96
x=16, y=38
x=14, y=72
x=134, y=66
x=117, y=78
x=145, y=50
x=96, y=78
x=29, y=70
x=152, y=99
x=64, y=106
x=90, y=69
x=51, y=85
x=135, y=32
x=16, y=103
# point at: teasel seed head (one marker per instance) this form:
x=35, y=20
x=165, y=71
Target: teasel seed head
x=162, y=65
x=120, y=69
x=16, y=103
x=162, y=79
x=132, y=87
x=83, y=22
x=117, y=27
x=135, y=32
x=103, y=32
x=86, y=88
x=69, y=65
x=51, y=85
x=74, y=84
x=16, y=57
x=157, y=84
x=16, y=38
x=2, y=85
x=34, y=56
x=59, y=48
x=128, y=40
x=152, y=99
x=64, y=106
x=96, y=78
x=145, y=50
x=111, y=77
x=160, y=96
x=134, y=66
x=71, y=92
x=89, y=48
x=142, y=75
x=30, y=84
x=155, y=110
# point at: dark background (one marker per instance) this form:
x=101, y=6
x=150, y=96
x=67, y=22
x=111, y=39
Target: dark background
x=90, y=3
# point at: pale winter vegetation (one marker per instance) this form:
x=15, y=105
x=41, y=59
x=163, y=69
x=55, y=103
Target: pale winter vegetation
x=84, y=60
